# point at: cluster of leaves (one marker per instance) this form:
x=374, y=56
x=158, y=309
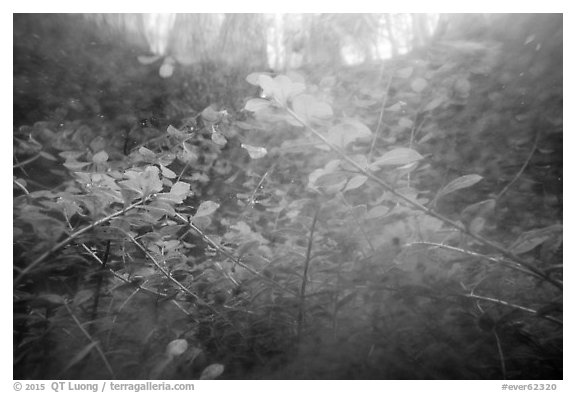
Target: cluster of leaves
x=385, y=199
x=273, y=243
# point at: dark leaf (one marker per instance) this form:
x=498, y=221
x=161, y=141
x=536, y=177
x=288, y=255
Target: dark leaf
x=345, y=300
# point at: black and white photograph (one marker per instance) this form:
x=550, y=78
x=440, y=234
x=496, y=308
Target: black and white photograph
x=287, y=196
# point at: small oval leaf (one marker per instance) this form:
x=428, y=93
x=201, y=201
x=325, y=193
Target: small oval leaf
x=480, y=209
x=173, y=131
x=210, y=114
x=167, y=172
x=331, y=181
x=377, y=211
x=213, y=371
x=459, y=183
x=257, y=104
x=147, y=154
x=477, y=225
x=418, y=85
x=527, y=241
x=176, y=347
x=142, y=59
x=435, y=103
x=309, y=108
x=355, y=182
x=301, y=105
x=48, y=156
x=166, y=70
x=100, y=157
x=269, y=86
x=52, y=299
x=206, y=208
x=400, y=156
x=255, y=152
x=347, y=132
x=253, y=78
x=218, y=138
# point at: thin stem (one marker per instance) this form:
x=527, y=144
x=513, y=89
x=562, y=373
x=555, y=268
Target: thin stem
x=124, y=303
x=69, y=239
x=183, y=171
x=96, y=344
x=475, y=255
x=25, y=162
x=120, y=277
x=229, y=255
x=164, y=271
x=20, y=186
x=413, y=133
x=378, y=129
x=305, y=276
x=511, y=305
x=500, y=353
x=335, y=298
x=421, y=207
x=359, y=225
x=251, y=201
x=523, y=168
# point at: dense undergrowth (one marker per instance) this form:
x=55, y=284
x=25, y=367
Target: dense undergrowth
x=394, y=221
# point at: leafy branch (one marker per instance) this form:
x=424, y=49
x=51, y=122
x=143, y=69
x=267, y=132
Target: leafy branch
x=342, y=154
x=511, y=305
x=229, y=255
x=71, y=237
x=496, y=260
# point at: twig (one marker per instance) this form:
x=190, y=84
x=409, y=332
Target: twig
x=183, y=171
x=302, y=304
x=177, y=283
x=26, y=162
x=21, y=186
x=73, y=236
x=523, y=168
x=359, y=225
x=251, y=201
x=164, y=271
x=378, y=130
x=99, y=280
x=511, y=305
x=485, y=298
x=124, y=303
x=229, y=255
x=421, y=207
x=510, y=265
x=500, y=353
x=120, y=277
x=95, y=343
